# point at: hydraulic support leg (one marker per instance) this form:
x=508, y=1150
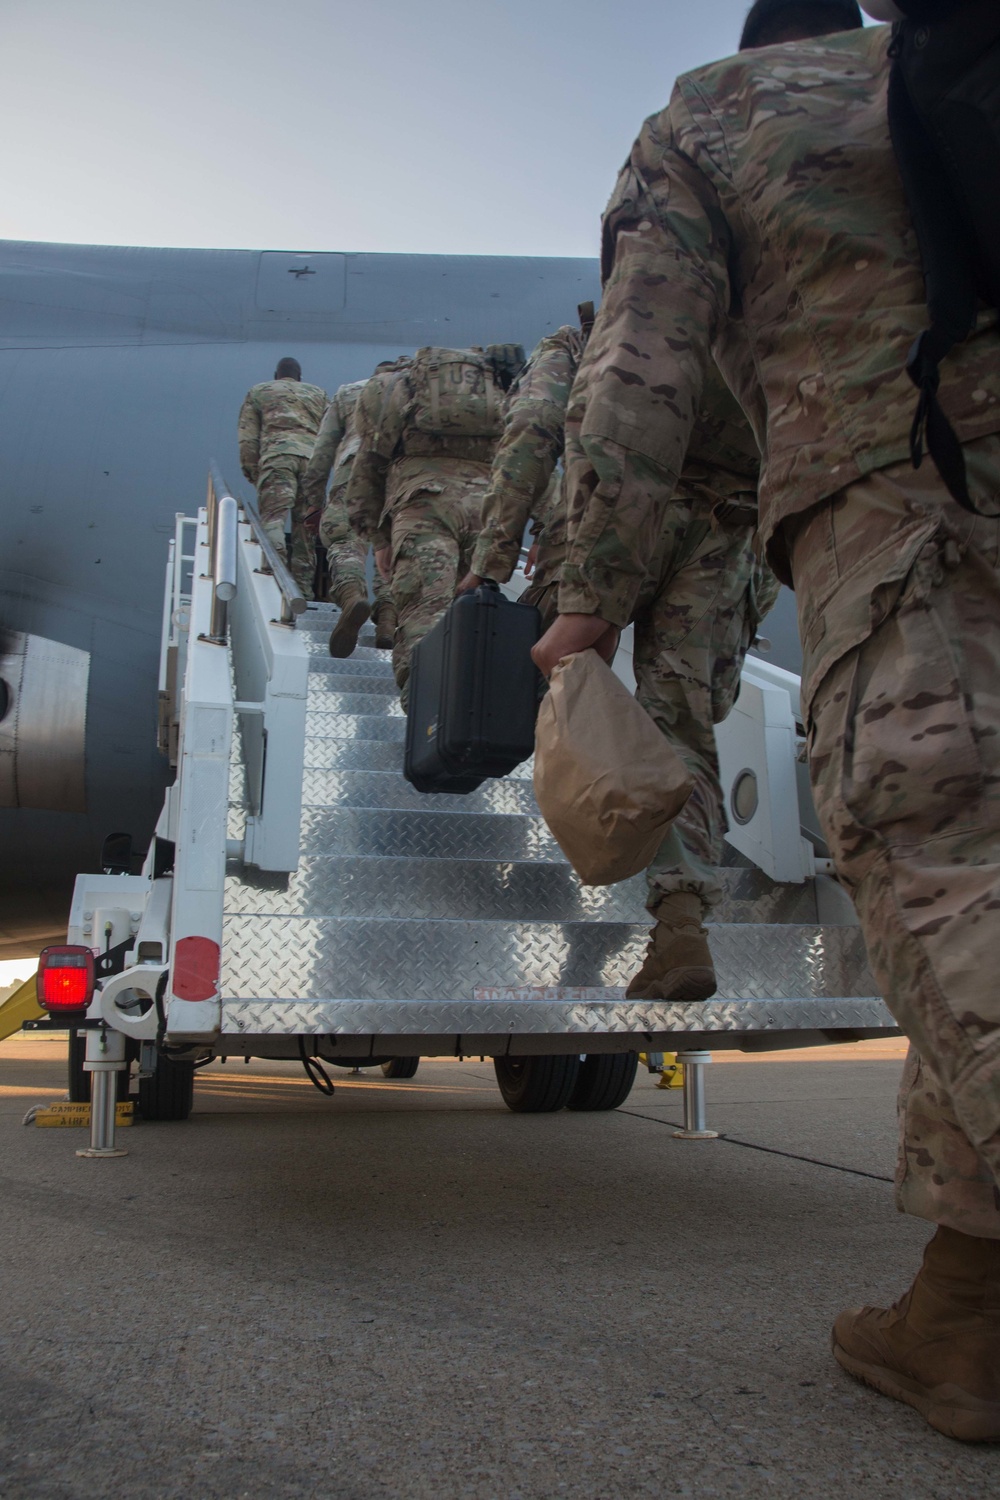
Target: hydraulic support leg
x=105, y=1059
x=694, y=1097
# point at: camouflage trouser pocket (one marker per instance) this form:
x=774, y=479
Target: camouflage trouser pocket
x=892, y=734
x=335, y=527
x=761, y=592
x=545, y=598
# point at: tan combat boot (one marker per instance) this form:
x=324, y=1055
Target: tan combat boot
x=938, y=1348
x=354, y=612
x=384, y=616
x=678, y=964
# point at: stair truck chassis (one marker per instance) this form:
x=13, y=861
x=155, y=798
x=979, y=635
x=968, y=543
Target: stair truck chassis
x=300, y=900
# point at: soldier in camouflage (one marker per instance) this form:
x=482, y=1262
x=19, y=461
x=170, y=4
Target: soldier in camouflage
x=694, y=618
x=764, y=206
x=336, y=445
x=278, y=424
x=428, y=432
x=524, y=482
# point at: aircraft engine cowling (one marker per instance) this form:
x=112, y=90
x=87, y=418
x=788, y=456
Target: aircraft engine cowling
x=43, y=722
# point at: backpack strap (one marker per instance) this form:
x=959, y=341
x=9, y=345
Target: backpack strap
x=492, y=403
x=434, y=390
x=949, y=275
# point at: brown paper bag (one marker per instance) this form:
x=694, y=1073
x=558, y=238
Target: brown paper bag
x=608, y=784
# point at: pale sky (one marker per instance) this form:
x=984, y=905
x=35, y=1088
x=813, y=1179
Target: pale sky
x=16, y=968
x=435, y=126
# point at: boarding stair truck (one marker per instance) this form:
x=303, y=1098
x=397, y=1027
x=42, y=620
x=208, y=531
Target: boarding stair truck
x=301, y=900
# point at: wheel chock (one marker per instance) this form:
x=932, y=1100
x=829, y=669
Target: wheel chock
x=69, y=1115
x=671, y=1073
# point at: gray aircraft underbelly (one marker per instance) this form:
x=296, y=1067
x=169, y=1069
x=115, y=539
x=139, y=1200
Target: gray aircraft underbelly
x=121, y=373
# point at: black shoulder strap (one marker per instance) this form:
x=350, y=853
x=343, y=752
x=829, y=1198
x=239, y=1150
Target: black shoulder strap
x=949, y=262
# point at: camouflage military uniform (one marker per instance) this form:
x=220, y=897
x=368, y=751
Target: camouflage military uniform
x=695, y=616
x=420, y=494
x=278, y=424
x=742, y=200
x=701, y=600
x=523, y=483
x=336, y=444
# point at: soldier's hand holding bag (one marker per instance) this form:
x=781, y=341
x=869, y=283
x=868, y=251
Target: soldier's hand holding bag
x=607, y=782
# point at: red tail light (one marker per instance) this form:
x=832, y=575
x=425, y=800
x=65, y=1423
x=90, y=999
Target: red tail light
x=65, y=978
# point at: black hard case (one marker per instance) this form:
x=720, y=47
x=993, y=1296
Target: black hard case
x=473, y=693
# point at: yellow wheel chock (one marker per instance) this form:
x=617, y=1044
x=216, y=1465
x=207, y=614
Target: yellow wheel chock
x=665, y=1063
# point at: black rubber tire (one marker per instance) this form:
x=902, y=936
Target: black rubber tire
x=605, y=1080
x=169, y=1093
x=537, y=1085
x=400, y=1067
x=78, y=1080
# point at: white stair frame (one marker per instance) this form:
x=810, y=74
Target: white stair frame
x=271, y=670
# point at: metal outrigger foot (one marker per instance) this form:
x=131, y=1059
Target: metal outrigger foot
x=108, y=1060
x=694, y=1098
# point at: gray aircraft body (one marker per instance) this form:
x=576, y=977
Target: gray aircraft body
x=121, y=374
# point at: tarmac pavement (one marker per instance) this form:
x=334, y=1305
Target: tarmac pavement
x=407, y=1290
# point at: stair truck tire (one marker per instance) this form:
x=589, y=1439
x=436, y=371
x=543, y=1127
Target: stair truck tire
x=605, y=1080
x=169, y=1093
x=400, y=1067
x=536, y=1085
x=78, y=1081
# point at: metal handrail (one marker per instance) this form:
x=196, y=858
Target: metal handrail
x=293, y=601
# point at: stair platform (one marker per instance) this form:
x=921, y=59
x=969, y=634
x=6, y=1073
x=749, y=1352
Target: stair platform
x=455, y=918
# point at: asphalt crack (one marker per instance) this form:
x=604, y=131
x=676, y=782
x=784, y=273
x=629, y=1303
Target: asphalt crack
x=732, y=1140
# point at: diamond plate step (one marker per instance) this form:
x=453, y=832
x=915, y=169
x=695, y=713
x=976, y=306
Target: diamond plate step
x=384, y=789
x=317, y=644
x=289, y=958
x=353, y=755
x=317, y=610
x=485, y=890
x=413, y=889
x=371, y=729
x=368, y=654
x=358, y=725
x=499, y=1021
x=426, y=835
x=372, y=755
x=338, y=701
x=322, y=681
x=369, y=666
x=313, y=623
x=328, y=754
x=326, y=674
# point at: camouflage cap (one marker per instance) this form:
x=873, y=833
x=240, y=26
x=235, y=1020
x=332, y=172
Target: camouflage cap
x=816, y=18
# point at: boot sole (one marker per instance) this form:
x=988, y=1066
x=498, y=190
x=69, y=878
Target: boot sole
x=385, y=642
x=685, y=986
x=947, y=1408
x=344, y=635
